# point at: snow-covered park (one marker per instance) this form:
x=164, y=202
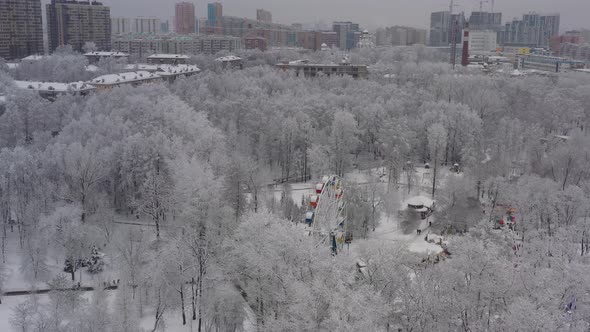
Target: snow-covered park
x=250, y=198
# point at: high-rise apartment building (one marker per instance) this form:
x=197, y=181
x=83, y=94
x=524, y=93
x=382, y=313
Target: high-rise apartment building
x=533, y=30
x=348, y=34
x=214, y=15
x=458, y=22
x=440, y=23
x=74, y=23
x=446, y=28
x=316, y=40
x=485, y=21
x=330, y=38
x=549, y=28
x=120, y=25
x=21, y=28
x=276, y=35
x=145, y=25
x=164, y=27
x=184, y=18
x=263, y=16
x=311, y=40
x=297, y=26
x=400, y=36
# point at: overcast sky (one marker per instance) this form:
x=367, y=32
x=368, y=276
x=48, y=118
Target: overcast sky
x=369, y=13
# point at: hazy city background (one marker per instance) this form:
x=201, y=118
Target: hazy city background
x=370, y=13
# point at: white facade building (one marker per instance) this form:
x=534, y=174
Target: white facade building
x=482, y=41
x=140, y=25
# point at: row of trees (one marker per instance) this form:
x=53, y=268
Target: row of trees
x=193, y=162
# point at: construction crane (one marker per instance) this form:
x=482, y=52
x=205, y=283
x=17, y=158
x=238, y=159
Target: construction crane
x=481, y=5
x=454, y=31
x=452, y=5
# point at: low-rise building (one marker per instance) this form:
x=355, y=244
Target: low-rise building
x=171, y=73
x=482, y=41
x=94, y=57
x=144, y=45
x=107, y=82
x=171, y=59
x=143, y=73
x=168, y=72
x=556, y=41
x=576, y=51
x=255, y=43
x=548, y=63
x=515, y=50
x=230, y=61
x=50, y=90
x=312, y=70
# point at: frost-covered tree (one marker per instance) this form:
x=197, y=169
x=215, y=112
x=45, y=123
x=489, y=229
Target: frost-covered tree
x=343, y=141
x=62, y=66
x=23, y=316
x=155, y=197
x=126, y=316
x=437, y=143
x=132, y=258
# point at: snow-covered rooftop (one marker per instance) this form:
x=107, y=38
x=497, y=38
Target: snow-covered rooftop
x=168, y=56
x=498, y=58
x=298, y=62
x=228, y=58
x=142, y=66
x=325, y=65
x=563, y=137
x=12, y=65
x=170, y=70
x=107, y=54
x=420, y=201
x=121, y=78
x=165, y=70
x=53, y=86
x=91, y=68
x=33, y=58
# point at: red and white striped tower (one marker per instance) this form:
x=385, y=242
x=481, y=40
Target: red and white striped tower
x=465, y=54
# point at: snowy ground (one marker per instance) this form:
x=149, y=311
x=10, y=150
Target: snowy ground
x=15, y=280
x=171, y=321
x=397, y=227
x=394, y=228
x=10, y=302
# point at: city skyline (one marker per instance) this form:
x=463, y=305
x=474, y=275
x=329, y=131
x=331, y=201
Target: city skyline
x=370, y=14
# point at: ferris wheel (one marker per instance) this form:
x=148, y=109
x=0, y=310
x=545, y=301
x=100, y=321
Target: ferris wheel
x=326, y=218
